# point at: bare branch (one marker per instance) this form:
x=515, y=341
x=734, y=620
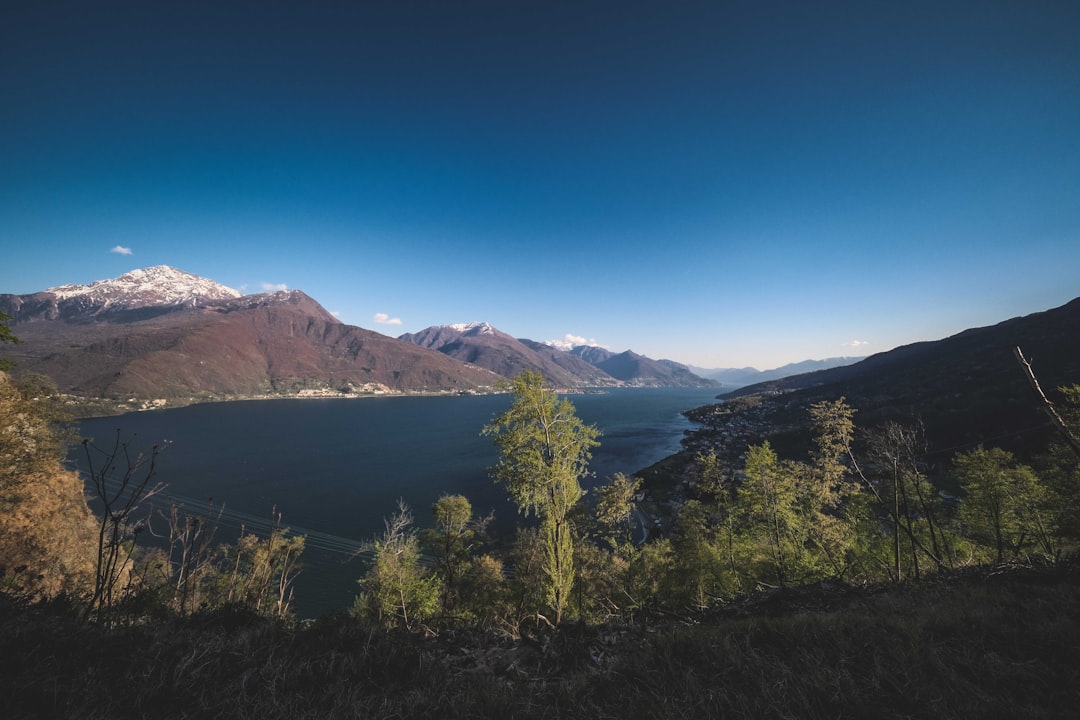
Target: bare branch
x=1048, y=406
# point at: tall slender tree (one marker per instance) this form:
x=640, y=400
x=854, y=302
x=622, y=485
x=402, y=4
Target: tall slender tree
x=769, y=498
x=544, y=453
x=829, y=484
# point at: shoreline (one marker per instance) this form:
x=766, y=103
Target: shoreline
x=84, y=408
x=111, y=407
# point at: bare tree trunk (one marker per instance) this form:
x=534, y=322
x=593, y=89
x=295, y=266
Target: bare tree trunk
x=1048, y=406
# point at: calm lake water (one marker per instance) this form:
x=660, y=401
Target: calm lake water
x=335, y=468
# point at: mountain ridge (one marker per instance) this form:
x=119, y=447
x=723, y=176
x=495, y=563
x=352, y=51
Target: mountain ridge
x=965, y=389
x=166, y=337
x=161, y=336
x=486, y=346
x=741, y=377
x=134, y=295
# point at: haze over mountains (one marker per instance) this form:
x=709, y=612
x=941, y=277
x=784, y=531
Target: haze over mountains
x=732, y=378
x=161, y=333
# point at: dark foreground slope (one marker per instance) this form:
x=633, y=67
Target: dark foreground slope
x=992, y=644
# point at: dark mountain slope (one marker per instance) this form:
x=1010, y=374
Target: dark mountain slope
x=740, y=377
x=584, y=366
x=592, y=354
x=586, y=373
x=634, y=369
x=484, y=346
x=968, y=388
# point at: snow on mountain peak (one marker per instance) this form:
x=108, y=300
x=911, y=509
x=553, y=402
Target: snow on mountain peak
x=478, y=328
x=158, y=285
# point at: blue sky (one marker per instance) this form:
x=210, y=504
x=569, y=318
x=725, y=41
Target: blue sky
x=722, y=183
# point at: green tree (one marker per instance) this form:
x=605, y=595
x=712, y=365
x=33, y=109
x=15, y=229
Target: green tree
x=769, y=497
x=655, y=576
x=1006, y=507
x=699, y=560
x=544, y=453
x=398, y=590
x=261, y=571
x=597, y=594
x=902, y=492
x=528, y=583
x=1071, y=412
x=603, y=567
x=833, y=428
x=615, y=511
x=1059, y=467
x=451, y=541
x=484, y=595
x=715, y=483
x=828, y=484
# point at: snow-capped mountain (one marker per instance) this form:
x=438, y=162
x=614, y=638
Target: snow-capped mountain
x=439, y=336
x=158, y=286
x=175, y=337
x=473, y=328
x=637, y=370
x=166, y=334
x=481, y=344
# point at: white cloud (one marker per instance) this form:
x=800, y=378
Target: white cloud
x=384, y=319
x=571, y=341
x=274, y=287
x=121, y=250
x=856, y=343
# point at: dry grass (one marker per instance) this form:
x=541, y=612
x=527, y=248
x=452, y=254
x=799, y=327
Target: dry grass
x=978, y=646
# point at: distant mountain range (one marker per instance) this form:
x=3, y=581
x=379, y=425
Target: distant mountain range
x=733, y=378
x=163, y=334
x=483, y=345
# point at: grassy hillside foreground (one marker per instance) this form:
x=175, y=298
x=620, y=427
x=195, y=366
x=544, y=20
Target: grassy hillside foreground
x=983, y=644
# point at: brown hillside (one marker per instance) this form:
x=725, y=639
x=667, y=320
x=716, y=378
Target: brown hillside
x=275, y=343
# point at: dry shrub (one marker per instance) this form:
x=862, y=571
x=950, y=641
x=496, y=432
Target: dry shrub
x=48, y=535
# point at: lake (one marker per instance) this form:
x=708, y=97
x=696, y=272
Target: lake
x=335, y=468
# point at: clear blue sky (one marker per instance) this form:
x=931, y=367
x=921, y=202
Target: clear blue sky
x=719, y=183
